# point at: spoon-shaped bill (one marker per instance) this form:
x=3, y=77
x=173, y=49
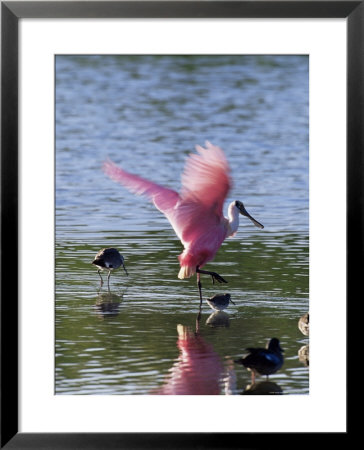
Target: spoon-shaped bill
x=245, y=213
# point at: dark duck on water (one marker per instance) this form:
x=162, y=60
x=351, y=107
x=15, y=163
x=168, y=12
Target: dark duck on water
x=263, y=361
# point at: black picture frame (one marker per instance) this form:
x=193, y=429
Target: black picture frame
x=11, y=13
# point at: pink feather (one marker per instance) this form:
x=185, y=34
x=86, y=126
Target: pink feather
x=198, y=369
x=196, y=214
x=163, y=198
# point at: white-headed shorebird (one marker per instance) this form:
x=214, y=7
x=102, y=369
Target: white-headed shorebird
x=220, y=302
x=108, y=259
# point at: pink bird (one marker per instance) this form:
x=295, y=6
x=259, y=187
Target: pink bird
x=196, y=214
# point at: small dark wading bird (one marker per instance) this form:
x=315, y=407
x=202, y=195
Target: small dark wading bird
x=263, y=361
x=196, y=213
x=108, y=259
x=220, y=302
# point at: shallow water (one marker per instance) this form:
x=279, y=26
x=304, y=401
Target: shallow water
x=146, y=113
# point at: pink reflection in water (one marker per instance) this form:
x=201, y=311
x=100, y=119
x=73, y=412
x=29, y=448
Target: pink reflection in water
x=198, y=369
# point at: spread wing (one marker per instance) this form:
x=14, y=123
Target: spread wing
x=205, y=185
x=197, y=211
x=206, y=178
x=163, y=198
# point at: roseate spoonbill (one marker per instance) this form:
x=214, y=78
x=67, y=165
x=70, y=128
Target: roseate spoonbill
x=108, y=259
x=304, y=324
x=196, y=213
x=220, y=302
x=263, y=361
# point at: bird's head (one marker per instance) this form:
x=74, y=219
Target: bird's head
x=245, y=213
x=228, y=296
x=274, y=345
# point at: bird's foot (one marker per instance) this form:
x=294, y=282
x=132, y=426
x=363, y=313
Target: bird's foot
x=216, y=277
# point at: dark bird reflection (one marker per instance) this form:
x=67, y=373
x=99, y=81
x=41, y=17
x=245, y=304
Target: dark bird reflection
x=198, y=369
x=218, y=319
x=262, y=388
x=107, y=305
x=304, y=355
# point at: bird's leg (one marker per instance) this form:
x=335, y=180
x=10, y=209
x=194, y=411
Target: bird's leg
x=108, y=280
x=253, y=376
x=199, y=311
x=102, y=281
x=215, y=276
x=199, y=288
x=198, y=318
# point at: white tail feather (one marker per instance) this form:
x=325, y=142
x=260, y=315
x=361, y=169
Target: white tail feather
x=185, y=272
